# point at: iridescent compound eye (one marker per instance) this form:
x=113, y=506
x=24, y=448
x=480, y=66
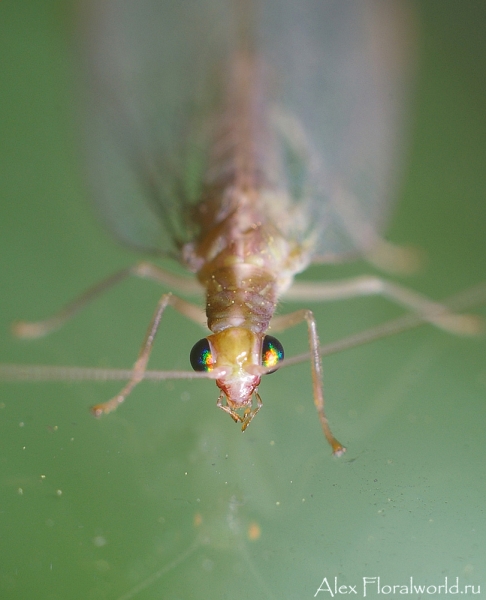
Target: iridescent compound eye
x=272, y=352
x=201, y=357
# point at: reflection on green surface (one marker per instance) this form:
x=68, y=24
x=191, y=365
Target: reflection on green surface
x=168, y=485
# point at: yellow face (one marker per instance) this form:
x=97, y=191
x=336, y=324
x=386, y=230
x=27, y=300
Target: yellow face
x=236, y=356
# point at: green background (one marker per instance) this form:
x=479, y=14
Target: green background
x=90, y=508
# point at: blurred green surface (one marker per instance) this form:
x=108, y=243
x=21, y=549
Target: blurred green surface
x=90, y=508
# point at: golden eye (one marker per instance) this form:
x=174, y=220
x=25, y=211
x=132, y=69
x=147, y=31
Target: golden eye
x=272, y=352
x=201, y=357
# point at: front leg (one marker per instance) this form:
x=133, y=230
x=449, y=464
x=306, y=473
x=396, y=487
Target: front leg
x=283, y=322
x=186, y=308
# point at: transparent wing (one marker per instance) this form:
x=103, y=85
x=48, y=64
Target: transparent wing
x=153, y=76
x=337, y=75
x=342, y=76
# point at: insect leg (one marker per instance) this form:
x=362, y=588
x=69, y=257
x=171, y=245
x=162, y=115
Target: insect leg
x=187, y=309
x=430, y=311
x=26, y=329
x=282, y=322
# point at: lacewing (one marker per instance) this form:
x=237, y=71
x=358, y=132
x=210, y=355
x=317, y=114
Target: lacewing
x=246, y=141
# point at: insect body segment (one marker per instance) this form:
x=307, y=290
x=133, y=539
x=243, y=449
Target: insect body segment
x=241, y=257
